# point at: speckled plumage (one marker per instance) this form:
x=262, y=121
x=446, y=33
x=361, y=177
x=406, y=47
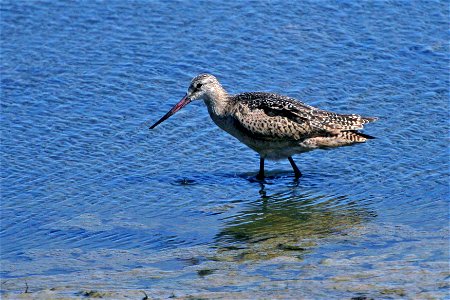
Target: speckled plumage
x=270, y=116
x=273, y=125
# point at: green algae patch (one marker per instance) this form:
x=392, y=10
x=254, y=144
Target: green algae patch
x=393, y=291
x=94, y=294
x=205, y=272
x=289, y=247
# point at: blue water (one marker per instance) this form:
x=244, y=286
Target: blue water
x=87, y=188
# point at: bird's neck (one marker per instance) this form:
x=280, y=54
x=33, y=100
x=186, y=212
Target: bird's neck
x=218, y=102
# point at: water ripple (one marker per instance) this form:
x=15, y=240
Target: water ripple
x=85, y=185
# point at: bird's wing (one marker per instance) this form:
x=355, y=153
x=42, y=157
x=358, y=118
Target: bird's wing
x=272, y=116
x=333, y=122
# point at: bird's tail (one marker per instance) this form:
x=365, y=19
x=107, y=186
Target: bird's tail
x=369, y=119
x=354, y=136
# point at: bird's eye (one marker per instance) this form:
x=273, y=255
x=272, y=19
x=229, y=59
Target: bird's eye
x=198, y=86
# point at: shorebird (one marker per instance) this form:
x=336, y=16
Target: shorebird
x=274, y=126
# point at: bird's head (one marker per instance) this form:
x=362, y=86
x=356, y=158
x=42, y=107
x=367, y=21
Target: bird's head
x=202, y=87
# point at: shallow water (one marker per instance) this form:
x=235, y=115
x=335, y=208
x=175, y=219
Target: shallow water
x=93, y=200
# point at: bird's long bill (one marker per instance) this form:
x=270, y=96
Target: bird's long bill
x=183, y=102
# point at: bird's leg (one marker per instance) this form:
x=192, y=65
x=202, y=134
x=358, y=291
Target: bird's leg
x=260, y=175
x=297, y=172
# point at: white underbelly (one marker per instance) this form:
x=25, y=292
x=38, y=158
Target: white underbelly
x=276, y=149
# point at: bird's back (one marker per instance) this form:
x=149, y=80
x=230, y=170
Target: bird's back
x=273, y=117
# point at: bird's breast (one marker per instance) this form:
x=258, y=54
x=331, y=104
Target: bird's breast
x=225, y=122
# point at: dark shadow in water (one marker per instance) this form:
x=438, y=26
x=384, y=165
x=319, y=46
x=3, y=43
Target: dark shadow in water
x=294, y=220
x=269, y=176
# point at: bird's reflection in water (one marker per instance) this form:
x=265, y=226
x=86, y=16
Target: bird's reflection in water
x=293, y=220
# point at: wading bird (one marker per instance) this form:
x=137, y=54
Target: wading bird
x=273, y=125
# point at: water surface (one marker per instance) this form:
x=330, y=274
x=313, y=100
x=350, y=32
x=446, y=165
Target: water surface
x=93, y=200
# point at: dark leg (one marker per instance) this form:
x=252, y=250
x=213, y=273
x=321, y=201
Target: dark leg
x=297, y=172
x=260, y=175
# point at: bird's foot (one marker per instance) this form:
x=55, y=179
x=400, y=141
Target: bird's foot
x=298, y=175
x=260, y=177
